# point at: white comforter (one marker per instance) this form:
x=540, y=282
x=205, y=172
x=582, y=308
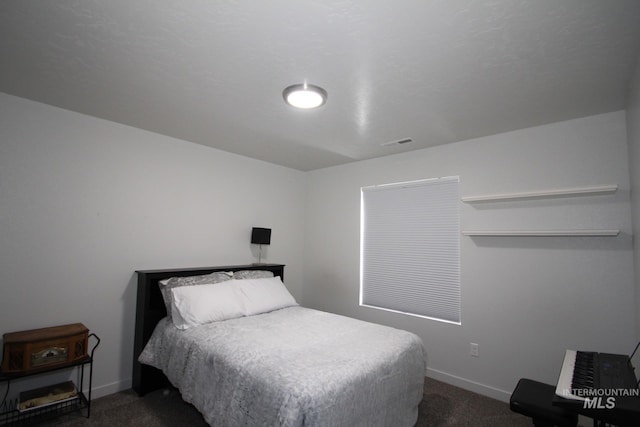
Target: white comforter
x=293, y=367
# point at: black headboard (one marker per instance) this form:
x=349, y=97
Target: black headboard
x=150, y=310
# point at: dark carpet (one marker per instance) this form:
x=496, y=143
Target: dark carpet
x=442, y=405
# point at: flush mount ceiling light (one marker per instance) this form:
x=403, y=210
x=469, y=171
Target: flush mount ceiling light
x=305, y=96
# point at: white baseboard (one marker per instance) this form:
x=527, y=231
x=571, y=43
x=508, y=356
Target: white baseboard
x=107, y=389
x=476, y=387
x=485, y=390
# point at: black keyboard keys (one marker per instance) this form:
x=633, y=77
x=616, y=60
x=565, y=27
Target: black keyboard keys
x=584, y=370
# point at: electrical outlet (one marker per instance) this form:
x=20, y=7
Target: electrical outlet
x=474, y=350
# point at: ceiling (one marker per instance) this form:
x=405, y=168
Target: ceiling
x=213, y=72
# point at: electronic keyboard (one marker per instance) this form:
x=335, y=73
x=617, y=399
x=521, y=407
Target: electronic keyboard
x=583, y=373
x=601, y=386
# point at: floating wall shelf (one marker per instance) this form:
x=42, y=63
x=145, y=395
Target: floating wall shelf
x=541, y=232
x=559, y=192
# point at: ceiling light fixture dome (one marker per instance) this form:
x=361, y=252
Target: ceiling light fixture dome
x=305, y=96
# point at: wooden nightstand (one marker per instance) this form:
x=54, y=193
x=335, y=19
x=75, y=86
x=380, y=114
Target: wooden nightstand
x=38, y=351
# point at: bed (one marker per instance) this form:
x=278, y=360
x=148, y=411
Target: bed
x=291, y=366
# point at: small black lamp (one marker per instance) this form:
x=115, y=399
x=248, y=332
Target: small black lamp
x=260, y=236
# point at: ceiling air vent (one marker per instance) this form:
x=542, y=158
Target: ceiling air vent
x=399, y=141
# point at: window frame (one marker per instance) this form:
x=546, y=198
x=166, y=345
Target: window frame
x=414, y=280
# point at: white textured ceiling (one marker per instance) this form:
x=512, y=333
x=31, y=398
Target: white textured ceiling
x=212, y=72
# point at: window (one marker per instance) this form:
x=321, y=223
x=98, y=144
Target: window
x=410, y=248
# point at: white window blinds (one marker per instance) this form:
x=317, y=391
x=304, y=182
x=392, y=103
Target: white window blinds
x=410, y=248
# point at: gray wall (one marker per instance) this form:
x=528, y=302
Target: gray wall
x=524, y=299
x=85, y=202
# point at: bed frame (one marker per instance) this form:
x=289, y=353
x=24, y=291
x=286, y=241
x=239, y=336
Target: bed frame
x=150, y=309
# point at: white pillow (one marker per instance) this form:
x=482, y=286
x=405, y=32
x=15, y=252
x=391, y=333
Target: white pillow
x=201, y=304
x=174, y=282
x=262, y=295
